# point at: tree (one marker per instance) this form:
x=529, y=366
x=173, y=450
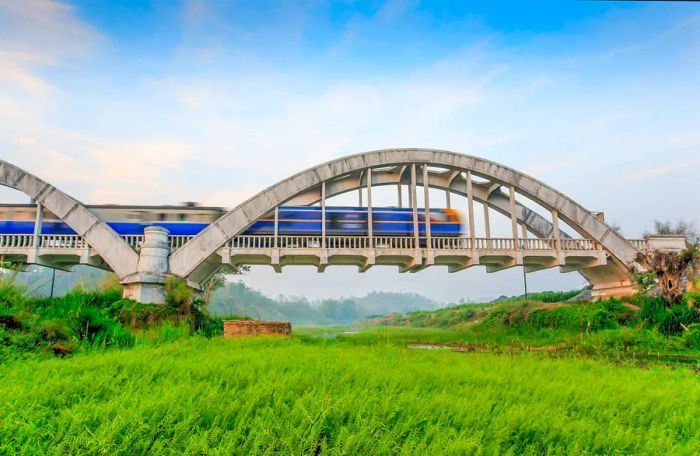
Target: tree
x=341, y=311
x=682, y=227
x=218, y=280
x=671, y=270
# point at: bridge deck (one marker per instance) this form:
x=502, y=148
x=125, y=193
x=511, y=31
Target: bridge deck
x=408, y=253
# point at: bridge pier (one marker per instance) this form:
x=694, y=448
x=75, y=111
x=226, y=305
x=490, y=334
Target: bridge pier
x=147, y=285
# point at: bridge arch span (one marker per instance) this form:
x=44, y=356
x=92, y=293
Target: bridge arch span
x=199, y=251
x=118, y=255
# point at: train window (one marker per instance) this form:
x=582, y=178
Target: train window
x=181, y=216
x=161, y=217
x=438, y=217
x=24, y=215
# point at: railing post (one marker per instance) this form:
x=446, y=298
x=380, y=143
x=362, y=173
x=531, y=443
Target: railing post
x=370, y=218
x=414, y=208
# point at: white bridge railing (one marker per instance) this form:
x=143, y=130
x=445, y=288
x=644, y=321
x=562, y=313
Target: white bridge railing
x=639, y=244
x=330, y=242
x=135, y=241
x=405, y=243
x=16, y=240
x=62, y=241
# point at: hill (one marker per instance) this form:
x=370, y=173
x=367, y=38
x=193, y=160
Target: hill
x=237, y=298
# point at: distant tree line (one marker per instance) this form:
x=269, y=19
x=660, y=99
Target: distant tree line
x=238, y=299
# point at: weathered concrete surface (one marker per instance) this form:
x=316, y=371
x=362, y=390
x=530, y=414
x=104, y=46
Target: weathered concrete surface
x=669, y=242
x=243, y=328
x=187, y=259
x=146, y=285
x=111, y=248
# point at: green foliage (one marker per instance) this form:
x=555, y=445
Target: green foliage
x=646, y=281
x=682, y=227
x=670, y=320
x=544, y=296
x=178, y=295
x=94, y=320
x=269, y=396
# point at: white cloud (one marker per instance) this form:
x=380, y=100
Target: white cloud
x=648, y=174
x=35, y=34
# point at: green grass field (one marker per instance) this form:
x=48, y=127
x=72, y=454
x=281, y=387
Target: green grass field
x=315, y=396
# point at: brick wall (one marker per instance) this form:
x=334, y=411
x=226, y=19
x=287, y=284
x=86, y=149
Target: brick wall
x=241, y=328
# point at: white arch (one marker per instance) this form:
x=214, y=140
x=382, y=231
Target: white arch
x=186, y=259
x=121, y=258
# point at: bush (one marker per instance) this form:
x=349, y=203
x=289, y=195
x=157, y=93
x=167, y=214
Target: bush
x=692, y=336
x=655, y=311
x=95, y=328
x=137, y=315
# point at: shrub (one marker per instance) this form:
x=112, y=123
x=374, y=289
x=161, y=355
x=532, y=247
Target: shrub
x=93, y=327
x=137, y=315
x=692, y=336
x=178, y=295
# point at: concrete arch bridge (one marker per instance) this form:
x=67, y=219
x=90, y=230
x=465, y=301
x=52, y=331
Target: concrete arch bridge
x=534, y=211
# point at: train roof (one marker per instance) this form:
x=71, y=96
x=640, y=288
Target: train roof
x=120, y=206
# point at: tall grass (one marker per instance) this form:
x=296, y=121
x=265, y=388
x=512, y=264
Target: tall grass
x=198, y=396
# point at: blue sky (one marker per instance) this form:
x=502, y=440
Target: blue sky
x=164, y=101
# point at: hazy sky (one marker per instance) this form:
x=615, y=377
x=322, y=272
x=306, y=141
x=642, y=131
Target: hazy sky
x=157, y=102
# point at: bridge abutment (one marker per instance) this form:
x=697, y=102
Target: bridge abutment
x=147, y=285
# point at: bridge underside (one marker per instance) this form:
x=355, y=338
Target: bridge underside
x=413, y=260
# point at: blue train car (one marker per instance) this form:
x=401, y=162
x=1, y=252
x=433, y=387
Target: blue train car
x=293, y=220
x=345, y=221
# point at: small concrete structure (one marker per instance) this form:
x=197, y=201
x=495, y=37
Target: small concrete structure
x=244, y=328
x=665, y=242
x=147, y=284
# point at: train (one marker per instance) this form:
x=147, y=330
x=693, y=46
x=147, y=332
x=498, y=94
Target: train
x=189, y=219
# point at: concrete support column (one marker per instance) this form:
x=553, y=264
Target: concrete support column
x=426, y=204
x=448, y=201
x=277, y=227
x=33, y=256
x=37, y=225
x=323, y=215
x=359, y=192
x=412, y=193
x=555, y=230
x=370, y=221
x=487, y=222
x=400, y=193
x=470, y=207
x=513, y=217
x=146, y=285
